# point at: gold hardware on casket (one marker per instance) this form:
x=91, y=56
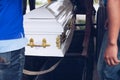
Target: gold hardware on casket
x=44, y=43
x=58, y=42
x=31, y=43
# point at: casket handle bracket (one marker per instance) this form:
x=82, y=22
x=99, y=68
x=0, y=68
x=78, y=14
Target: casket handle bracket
x=58, y=42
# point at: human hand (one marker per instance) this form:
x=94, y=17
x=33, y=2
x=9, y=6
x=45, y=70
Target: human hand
x=110, y=55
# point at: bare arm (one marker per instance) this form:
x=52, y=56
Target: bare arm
x=113, y=9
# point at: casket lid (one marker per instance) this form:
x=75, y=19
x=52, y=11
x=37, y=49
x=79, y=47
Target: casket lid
x=41, y=21
x=52, y=10
x=39, y=13
x=50, y=18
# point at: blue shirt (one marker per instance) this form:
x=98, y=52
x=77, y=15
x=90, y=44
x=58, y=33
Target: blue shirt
x=11, y=26
x=11, y=19
x=11, y=45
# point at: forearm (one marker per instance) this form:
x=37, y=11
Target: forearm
x=113, y=8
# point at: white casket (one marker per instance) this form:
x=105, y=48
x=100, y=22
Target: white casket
x=49, y=29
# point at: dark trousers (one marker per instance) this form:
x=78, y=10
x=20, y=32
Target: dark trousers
x=12, y=64
x=31, y=5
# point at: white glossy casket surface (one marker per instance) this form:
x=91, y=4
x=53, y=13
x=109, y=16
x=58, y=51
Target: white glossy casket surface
x=43, y=23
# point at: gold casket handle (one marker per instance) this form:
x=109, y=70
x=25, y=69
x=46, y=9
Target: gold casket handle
x=44, y=43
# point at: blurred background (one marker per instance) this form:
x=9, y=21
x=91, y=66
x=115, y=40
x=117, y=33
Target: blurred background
x=42, y=2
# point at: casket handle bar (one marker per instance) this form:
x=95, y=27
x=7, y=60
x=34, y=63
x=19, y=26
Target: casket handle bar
x=44, y=43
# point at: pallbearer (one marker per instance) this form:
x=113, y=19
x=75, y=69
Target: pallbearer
x=12, y=40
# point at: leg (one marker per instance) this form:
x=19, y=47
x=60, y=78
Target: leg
x=24, y=6
x=11, y=65
x=32, y=4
